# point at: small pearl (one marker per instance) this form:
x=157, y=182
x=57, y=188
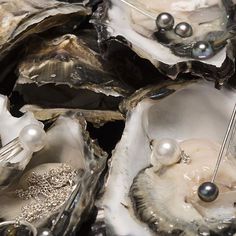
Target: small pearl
x=202, y=50
x=183, y=29
x=44, y=232
x=167, y=151
x=208, y=192
x=165, y=21
x=32, y=137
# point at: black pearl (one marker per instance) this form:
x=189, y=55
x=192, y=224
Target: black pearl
x=44, y=232
x=183, y=29
x=208, y=192
x=165, y=21
x=202, y=50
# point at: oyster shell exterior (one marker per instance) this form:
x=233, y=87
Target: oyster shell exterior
x=21, y=18
x=190, y=112
x=67, y=67
x=168, y=52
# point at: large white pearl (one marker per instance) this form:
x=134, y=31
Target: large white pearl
x=32, y=137
x=166, y=151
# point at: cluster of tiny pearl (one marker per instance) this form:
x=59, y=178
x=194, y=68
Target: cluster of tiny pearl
x=47, y=192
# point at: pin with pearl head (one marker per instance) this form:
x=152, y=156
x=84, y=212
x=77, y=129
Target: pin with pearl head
x=32, y=137
x=164, y=21
x=208, y=191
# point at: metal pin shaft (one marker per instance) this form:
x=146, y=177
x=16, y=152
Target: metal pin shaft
x=132, y=5
x=224, y=143
x=66, y=210
x=10, y=150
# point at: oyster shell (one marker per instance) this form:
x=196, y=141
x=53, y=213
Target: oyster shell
x=20, y=18
x=167, y=51
x=93, y=116
x=138, y=199
x=67, y=143
x=67, y=67
x=10, y=128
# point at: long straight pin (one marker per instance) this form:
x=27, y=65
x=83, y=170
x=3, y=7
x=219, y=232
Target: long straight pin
x=31, y=137
x=132, y=5
x=63, y=217
x=164, y=21
x=208, y=191
x=222, y=149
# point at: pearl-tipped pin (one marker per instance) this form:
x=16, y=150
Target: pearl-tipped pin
x=208, y=191
x=32, y=137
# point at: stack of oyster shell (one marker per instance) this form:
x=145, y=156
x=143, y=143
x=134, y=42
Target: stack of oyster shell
x=108, y=83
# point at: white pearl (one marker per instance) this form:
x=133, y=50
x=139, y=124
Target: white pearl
x=166, y=151
x=44, y=232
x=32, y=137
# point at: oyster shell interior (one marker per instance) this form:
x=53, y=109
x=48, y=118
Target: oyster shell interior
x=207, y=18
x=139, y=200
x=67, y=144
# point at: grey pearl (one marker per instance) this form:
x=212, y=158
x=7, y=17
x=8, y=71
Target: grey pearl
x=44, y=232
x=202, y=50
x=208, y=192
x=183, y=29
x=165, y=21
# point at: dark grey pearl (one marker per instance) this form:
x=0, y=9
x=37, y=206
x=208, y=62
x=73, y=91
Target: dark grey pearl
x=165, y=21
x=202, y=50
x=208, y=192
x=183, y=29
x=44, y=232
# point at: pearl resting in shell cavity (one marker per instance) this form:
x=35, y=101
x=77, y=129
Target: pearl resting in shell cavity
x=165, y=151
x=165, y=21
x=32, y=137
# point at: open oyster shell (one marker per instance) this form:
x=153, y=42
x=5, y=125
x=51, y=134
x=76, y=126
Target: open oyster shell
x=138, y=199
x=67, y=143
x=71, y=71
x=10, y=128
x=167, y=51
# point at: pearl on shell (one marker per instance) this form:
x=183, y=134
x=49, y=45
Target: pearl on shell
x=208, y=191
x=32, y=137
x=44, y=232
x=165, y=21
x=183, y=29
x=166, y=151
x=202, y=50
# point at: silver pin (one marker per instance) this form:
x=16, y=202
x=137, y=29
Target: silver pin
x=10, y=150
x=32, y=137
x=208, y=191
x=63, y=217
x=225, y=141
x=132, y=3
